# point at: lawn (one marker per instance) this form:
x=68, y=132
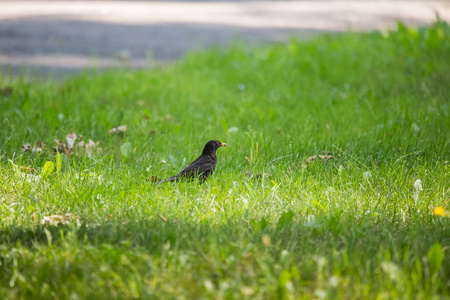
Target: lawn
x=335, y=183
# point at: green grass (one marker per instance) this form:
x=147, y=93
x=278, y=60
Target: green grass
x=353, y=227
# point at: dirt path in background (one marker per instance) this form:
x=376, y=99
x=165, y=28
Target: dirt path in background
x=59, y=37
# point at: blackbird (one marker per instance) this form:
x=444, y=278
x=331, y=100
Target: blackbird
x=202, y=167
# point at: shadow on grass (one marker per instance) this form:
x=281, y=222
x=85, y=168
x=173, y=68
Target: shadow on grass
x=322, y=236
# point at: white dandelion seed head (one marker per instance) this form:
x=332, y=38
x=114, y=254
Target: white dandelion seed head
x=418, y=185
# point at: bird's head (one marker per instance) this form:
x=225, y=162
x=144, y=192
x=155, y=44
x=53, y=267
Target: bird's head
x=212, y=146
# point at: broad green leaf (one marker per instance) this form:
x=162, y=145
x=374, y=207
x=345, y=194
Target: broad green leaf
x=49, y=236
x=435, y=257
x=58, y=162
x=285, y=219
x=126, y=149
x=47, y=169
x=263, y=223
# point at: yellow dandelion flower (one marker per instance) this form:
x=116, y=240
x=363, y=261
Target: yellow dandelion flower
x=438, y=211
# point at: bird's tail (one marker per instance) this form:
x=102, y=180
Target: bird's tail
x=170, y=179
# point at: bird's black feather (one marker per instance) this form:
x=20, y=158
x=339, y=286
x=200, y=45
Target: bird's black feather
x=202, y=167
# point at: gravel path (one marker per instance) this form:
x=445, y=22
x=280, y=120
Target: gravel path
x=60, y=37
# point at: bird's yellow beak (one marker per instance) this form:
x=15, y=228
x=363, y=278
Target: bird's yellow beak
x=222, y=144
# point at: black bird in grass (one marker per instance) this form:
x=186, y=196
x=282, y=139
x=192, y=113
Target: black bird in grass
x=202, y=167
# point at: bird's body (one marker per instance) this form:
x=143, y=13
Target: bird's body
x=203, y=166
